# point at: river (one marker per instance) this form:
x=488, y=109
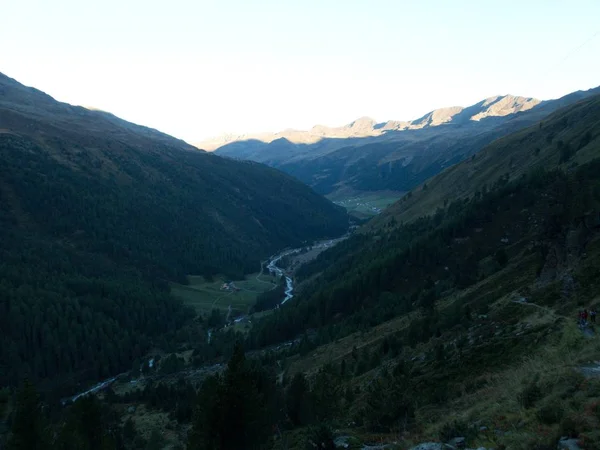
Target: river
x=278, y=271
x=273, y=269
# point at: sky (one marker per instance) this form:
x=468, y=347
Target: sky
x=201, y=68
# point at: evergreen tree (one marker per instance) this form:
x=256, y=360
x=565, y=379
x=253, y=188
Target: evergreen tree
x=297, y=400
x=233, y=411
x=29, y=430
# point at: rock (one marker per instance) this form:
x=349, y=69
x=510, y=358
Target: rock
x=568, y=444
x=131, y=409
x=428, y=446
x=378, y=446
x=482, y=429
x=457, y=442
x=341, y=442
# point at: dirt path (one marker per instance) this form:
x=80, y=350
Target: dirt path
x=262, y=268
x=551, y=311
x=220, y=298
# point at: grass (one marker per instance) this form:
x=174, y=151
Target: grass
x=557, y=395
x=521, y=379
x=204, y=296
x=367, y=204
x=149, y=421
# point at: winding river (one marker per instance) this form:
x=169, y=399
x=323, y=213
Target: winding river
x=278, y=271
x=271, y=266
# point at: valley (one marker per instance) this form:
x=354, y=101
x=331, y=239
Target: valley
x=366, y=205
x=365, y=156
x=451, y=314
x=221, y=293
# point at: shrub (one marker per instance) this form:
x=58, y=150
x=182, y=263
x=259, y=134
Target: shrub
x=569, y=427
x=550, y=413
x=530, y=394
x=456, y=428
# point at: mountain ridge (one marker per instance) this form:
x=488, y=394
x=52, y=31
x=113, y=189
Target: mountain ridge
x=568, y=134
x=401, y=155
x=367, y=126
x=18, y=98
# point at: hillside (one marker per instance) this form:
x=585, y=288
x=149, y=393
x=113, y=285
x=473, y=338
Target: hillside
x=565, y=138
x=365, y=157
x=461, y=324
x=97, y=215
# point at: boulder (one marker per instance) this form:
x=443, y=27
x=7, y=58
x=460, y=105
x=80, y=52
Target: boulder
x=568, y=444
x=457, y=442
x=428, y=446
x=341, y=442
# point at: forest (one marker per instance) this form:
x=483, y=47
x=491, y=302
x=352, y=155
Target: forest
x=98, y=216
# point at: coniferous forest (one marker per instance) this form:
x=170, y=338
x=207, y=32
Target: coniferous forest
x=98, y=216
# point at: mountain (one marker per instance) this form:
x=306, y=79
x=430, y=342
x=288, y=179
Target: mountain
x=453, y=317
x=98, y=215
x=396, y=156
x=562, y=139
x=366, y=127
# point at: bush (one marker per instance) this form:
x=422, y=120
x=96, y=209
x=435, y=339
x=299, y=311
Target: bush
x=456, y=428
x=569, y=427
x=321, y=438
x=530, y=394
x=550, y=413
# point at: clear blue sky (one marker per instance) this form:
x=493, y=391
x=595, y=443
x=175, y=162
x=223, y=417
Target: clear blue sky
x=199, y=68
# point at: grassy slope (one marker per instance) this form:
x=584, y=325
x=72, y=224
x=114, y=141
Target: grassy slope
x=204, y=295
x=515, y=154
x=508, y=349
x=368, y=204
x=513, y=368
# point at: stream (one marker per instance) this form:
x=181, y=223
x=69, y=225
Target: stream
x=278, y=271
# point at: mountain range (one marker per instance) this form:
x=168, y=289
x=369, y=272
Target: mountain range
x=365, y=156
x=367, y=127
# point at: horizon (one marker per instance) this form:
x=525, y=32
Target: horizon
x=202, y=70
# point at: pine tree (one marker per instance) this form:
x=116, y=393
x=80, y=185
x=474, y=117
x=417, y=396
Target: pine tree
x=297, y=400
x=232, y=411
x=29, y=428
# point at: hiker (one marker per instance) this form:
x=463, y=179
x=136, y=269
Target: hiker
x=593, y=315
x=580, y=318
x=585, y=316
